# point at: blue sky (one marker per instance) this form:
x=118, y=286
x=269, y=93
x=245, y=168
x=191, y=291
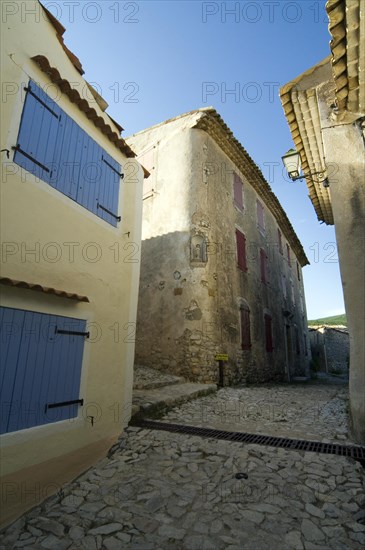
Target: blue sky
x=153, y=60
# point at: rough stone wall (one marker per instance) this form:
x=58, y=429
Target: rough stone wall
x=332, y=347
x=191, y=289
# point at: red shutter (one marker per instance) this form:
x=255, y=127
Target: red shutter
x=260, y=215
x=268, y=333
x=245, y=329
x=241, y=250
x=263, y=266
x=237, y=191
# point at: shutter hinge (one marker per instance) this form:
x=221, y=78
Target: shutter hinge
x=72, y=332
x=19, y=150
x=118, y=218
x=112, y=167
x=30, y=91
x=63, y=404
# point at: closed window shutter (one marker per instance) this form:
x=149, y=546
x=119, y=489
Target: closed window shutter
x=241, y=250
x=280, y=242
x=238, y=191
x=39, y=127
x=245, y=329
x=39, y=367
x=260, y=215
x=53, y=147
x=268, y=333
x=107, y=203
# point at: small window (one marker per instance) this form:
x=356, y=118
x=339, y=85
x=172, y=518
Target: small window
x=245, y=328
x=268, y=333
x=288, y=254
x=280, y=241
x=238, y=192
x=260, y=216
x=241, y=250
x=264, y=266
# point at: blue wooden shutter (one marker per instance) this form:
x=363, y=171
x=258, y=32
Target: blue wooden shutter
x=38, y=131
x=108, y=197
x=39, y=367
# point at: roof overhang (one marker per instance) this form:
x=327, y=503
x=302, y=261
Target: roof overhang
x=45, y=289
x=300, y=104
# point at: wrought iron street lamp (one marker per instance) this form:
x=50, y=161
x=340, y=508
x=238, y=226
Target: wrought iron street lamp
x=291, y=161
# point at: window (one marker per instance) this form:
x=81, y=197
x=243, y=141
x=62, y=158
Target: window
x=280, y=241
x=288, y=254
x=41, y=365
x=245, y=328
x=54, y=148
x=268, y=332
x=238, y=192
x=260, y=216
x=241, y=250
x=298, y=271
x=264, y=266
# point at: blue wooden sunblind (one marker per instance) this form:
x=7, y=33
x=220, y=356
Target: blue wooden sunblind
x=40, y=368
x=53, y=147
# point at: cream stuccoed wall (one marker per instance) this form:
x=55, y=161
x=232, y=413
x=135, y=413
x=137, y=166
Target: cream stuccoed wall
x=51, y=240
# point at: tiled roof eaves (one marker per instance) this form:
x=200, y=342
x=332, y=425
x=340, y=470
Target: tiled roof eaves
x=45, y=289
x=211, y=122
x=346, y=26
x=74, y=96
x=289, y=111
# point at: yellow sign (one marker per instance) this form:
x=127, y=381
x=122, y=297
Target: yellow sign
x=221, y=357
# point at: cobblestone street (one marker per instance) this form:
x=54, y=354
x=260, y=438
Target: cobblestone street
x=161, y=490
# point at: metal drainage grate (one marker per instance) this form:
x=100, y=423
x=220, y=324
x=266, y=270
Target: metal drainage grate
x=357, y=453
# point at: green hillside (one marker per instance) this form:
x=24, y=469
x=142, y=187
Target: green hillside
x=334, y=320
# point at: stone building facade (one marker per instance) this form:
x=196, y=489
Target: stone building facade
x=330, y=347
x=221, y=263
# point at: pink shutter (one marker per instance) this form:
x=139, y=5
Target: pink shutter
x=241, y=250
x=237, y=192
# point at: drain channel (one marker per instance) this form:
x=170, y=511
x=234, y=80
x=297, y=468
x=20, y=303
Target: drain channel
x=357, y=453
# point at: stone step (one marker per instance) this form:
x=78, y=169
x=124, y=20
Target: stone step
x=155, y=402
x=147, y=378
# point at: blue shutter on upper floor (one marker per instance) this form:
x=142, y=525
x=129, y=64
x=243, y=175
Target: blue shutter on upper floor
x=40, y=368
x=39, y=126
x=107, y=205
x=53, y=147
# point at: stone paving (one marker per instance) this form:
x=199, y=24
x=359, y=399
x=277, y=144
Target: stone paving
x=160, y=490
x=300, y=411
